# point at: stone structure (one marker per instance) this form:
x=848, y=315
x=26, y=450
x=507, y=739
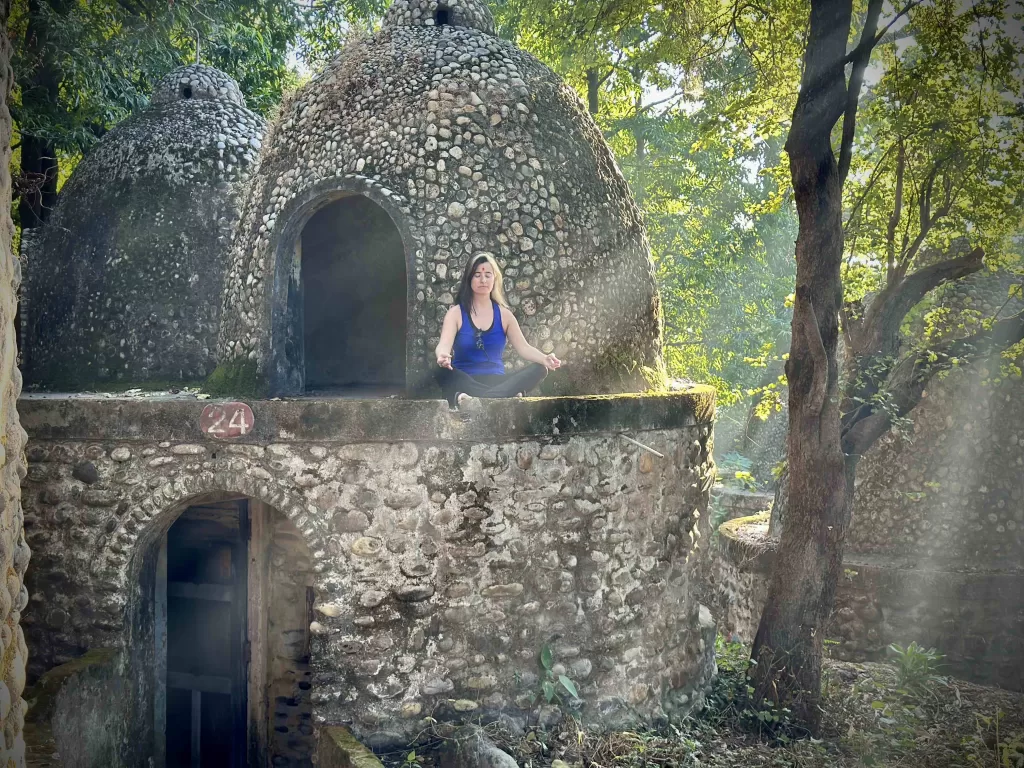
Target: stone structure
x=440, y=555
x=729, y=503
x=14, y=552
x=125, y=279
x=270, y=573
x=440, y=141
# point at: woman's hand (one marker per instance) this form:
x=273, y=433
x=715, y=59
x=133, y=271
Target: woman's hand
x=444, y=360
x=551, y=362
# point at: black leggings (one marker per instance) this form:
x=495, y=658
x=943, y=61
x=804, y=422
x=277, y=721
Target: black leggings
x=489, y=385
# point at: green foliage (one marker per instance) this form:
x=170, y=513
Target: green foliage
x=734, y=470
x=696, y=124
x=555, y=685
x=235, y=378
x=328, y=24
x=105, y=56
x=940, y=149
x=730, y=702
x=916, y=667
x=992, y=745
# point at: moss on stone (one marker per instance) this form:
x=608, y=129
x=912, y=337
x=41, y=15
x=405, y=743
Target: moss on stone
x=43, y=696
x=235, y=378
x=340, y=749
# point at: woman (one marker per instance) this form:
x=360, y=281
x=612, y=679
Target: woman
x=473, y=336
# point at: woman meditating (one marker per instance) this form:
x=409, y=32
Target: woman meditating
x=473, y=336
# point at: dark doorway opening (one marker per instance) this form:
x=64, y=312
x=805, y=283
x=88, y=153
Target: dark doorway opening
x=442, y=16
x=354, y=300
x=202, y=600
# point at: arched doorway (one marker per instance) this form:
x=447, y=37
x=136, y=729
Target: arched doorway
x=231, y=586
x=202, y=624
x=354, y=299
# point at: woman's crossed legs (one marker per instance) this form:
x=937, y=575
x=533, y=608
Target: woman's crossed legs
x=455, y=382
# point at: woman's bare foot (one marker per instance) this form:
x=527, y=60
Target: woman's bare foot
x=467, y=404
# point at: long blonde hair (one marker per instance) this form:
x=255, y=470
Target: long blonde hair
x=464, y=296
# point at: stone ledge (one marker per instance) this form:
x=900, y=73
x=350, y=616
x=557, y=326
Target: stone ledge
x=744, y=541
x=85, y=417
x=338, y=748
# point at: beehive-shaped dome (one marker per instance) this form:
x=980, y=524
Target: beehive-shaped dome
x=417, y=148
x=125, y=279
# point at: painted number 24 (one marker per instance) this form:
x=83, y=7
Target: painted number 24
x=227, y=420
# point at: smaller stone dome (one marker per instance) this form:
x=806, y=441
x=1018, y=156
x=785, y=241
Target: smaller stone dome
x=199, y=82
x=124, y=280
x=473, y=14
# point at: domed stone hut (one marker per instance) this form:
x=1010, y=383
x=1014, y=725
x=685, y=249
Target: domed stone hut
x=417, y=148
x=125, y=279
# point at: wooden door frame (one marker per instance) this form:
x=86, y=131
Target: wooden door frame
x=248, y=584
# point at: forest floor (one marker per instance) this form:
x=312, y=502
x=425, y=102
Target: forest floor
x=875, y=714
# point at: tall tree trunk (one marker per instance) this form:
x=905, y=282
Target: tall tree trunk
x=788, y=644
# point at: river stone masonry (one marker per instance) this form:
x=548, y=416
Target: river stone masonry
x=14, y=551
x=124, y=281
x=471, y=146
x=445, y=554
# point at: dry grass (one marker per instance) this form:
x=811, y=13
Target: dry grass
x=869, y=721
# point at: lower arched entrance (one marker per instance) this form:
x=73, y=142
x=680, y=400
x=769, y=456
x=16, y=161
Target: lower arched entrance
x=232, y=598
x=354, y=300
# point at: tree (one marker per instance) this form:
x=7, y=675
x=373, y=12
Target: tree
x=941, y=194
x=927, y=166
x=788, y=644
x=83, y=65
x=679, y=92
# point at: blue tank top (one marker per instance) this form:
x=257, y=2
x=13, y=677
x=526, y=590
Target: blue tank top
x=476, y=351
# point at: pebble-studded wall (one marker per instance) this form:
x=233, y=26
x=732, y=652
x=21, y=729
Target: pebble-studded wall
x=470, y=145
x=445, y=554
x=949, y=489
x=124, y=281
x=14, y=552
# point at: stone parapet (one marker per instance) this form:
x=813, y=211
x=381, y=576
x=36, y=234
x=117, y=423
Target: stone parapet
x=446, y=554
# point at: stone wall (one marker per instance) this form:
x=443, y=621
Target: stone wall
x=140, y=237
x=729, y=503
x=14, y=553
x=974, y=617
x=445, y=553
x=953, y=493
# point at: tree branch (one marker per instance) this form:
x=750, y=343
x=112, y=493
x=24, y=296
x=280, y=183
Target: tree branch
x=884, y=30
x=913, y=374
x=861, y=56
x=884, y=316
x=906, y=9
x=897, y=213
x=875, y=175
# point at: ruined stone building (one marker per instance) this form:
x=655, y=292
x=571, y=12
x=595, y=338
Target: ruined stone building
x=272, y=569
